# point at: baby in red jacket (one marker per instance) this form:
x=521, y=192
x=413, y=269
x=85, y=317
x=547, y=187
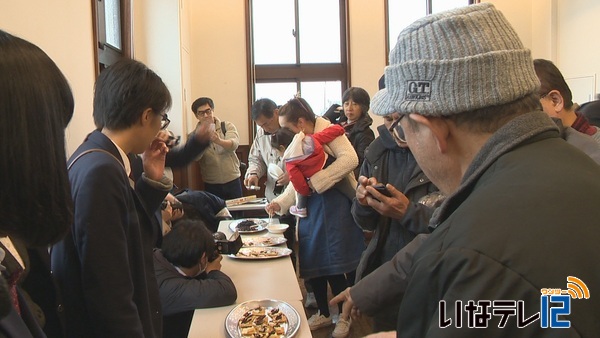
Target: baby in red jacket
x=304, y=156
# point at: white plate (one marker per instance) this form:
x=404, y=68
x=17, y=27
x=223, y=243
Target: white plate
x=267, y=252
x=232, y=319
x=261, y=225
x=263, y=241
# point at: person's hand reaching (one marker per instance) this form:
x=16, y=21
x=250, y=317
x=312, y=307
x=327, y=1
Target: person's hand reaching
x=154, y=159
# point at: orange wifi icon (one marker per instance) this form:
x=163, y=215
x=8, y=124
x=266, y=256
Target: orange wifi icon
x=577, y=288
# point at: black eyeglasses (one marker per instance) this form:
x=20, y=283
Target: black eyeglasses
x=164, y=122
x=204, y=112
x=397, y=131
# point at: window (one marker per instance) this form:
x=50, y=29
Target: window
x=298, y=46
x=112, y=28
x=401, y=13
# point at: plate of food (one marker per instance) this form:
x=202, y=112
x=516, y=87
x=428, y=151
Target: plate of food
x=262, y=318
x=267, y=252
x=248, y=225
x=263, y=241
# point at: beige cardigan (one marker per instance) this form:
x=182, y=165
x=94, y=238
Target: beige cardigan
x=343, y=166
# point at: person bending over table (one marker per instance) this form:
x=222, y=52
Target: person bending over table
x=188, y=272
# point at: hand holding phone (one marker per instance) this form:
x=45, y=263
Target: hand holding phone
x=380, y=187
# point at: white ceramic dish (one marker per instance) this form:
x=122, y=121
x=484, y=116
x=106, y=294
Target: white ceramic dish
x=263, y=241
x=277, y=228
x=267, y=252
x=232, y=319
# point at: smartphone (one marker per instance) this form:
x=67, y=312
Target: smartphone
x=382, y=189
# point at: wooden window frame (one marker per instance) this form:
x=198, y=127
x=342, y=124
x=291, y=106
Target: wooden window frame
x=297, y=72
x=105, y=54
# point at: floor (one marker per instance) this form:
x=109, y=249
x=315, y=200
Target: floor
x=360, y=328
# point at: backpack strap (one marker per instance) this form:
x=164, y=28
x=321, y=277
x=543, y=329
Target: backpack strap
x=91, y=151
x=223, y=130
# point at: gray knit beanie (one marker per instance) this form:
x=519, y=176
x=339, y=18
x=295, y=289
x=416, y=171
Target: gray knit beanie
x=456, y=61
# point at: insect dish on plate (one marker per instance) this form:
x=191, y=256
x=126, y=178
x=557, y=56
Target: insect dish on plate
x=262, y=318
x=261, y=253
x=248, y=226
x=263, y=241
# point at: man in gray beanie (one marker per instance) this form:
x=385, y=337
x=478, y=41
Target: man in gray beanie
x=516, y=236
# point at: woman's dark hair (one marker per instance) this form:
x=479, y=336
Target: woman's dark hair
x=360, y=96
x=282, y=137
x=295, y=109
x=184, y=245
x=36, y=104
x=202, y=101
x=124, y=90
x=263, y=107
x=552, y=79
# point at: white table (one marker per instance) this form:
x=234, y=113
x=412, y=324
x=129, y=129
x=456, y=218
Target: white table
x=254, y=280
x=248, y=206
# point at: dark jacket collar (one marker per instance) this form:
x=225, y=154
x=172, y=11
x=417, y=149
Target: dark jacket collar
x=521, y=130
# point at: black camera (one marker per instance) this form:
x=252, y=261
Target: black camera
x=174, y=205
x=224, y=246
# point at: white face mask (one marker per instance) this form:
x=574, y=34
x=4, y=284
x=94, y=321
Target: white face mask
x=202, y=269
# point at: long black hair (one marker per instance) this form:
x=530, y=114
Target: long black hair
x=36, y=104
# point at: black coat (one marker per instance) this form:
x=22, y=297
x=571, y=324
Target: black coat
x=104, y=267
x=360, y=135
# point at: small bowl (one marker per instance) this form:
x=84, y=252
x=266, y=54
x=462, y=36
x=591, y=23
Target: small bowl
x=277, y=228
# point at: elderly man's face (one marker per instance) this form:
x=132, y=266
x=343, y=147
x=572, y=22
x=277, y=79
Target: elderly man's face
x=437, y=165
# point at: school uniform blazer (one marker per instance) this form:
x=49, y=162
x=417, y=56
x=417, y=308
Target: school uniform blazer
x=104, y=266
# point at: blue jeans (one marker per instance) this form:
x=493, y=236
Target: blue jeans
x=226, y=191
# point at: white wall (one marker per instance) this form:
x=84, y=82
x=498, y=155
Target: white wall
x=578, y=52
x=367, y=47
x=156, y=43
x=218, y=60
x=563, y=31
x=63, y=29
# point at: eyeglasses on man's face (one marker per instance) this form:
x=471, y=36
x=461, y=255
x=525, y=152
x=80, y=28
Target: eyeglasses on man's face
x=207, y=111
x=397, y=131
x=164, y=122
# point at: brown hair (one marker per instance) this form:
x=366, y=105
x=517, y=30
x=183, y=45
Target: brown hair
x=297, y=108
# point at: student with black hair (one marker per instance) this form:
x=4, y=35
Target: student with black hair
x=188, y=271
x=104, y=266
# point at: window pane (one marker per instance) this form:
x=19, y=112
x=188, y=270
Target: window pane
x=272, y=27
x=319, y=31
x=442, y=5
x=401, y=14
x=320, y=95
x=280, y=92
x=112, y=20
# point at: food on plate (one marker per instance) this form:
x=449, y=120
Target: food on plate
x=249, y=225
x=262, y=322
x=257, y=253
x=263, y=241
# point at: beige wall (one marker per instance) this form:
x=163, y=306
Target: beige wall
x=63, y=29
x=218, y=60
x=561, y=30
